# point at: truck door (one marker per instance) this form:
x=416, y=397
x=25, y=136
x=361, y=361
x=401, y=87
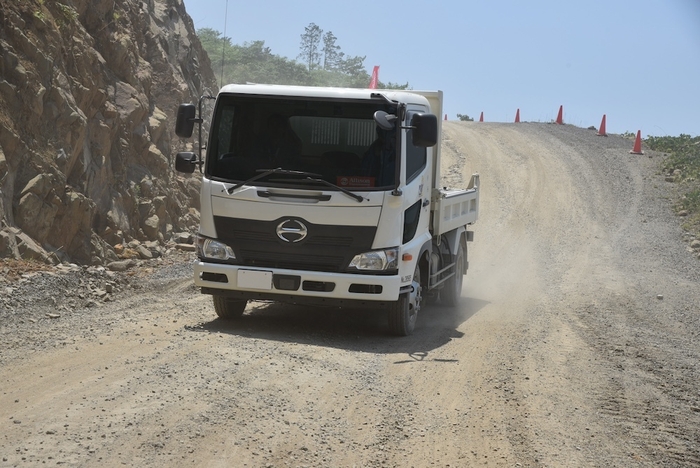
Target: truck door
x=416, y=173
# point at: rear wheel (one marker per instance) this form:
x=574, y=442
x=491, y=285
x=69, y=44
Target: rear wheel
x=227, y=308
x=451, y=294
x=404, y=312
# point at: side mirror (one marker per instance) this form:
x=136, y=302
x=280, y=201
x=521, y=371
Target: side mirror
x=425, y=130
x=185, y=162
x=184, y=124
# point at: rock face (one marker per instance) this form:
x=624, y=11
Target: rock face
x=88, y=94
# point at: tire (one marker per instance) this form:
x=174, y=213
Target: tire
x=451, y=294
x=403, y=313
x=227, y=308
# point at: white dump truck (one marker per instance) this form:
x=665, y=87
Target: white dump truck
x=328, y=197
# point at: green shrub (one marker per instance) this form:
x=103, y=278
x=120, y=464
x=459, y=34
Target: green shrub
x=684, y=154
x=683, y=163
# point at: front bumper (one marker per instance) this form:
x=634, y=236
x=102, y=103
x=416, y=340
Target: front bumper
x=296, y=286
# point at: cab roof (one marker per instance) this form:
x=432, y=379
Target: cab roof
x=408, y=97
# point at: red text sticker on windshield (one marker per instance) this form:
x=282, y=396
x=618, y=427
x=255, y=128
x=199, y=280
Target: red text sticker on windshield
x=355, y=181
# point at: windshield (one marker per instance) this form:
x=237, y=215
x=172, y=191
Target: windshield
x=336, y=140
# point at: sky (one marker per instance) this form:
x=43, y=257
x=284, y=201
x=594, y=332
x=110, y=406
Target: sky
x=636, y=61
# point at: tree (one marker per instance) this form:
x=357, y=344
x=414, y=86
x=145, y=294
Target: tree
x=310, y=46
x=352, y=65
x=331, y=52
x=251, y=62
x=465, y=118
x=390, y=85
x=217, y=47
x=211, y=39
x=254, y=62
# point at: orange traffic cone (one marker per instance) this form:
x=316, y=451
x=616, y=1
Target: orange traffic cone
x=601, y=132
x=481, y=117
x=517, y=116
x=560, y=117
x=637, y=144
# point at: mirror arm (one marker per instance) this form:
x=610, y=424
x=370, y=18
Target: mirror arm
x=199, y=120
x=397, y=173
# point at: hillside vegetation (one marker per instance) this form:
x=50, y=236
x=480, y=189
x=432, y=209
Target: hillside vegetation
x=253, y=62
x=682, y=167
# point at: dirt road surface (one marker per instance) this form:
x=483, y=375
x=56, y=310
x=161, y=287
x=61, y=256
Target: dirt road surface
x=577, y=343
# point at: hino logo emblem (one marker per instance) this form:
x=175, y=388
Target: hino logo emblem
x=292, y=230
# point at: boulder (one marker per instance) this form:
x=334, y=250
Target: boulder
x=183, y=238
x=121, y=265
x=144, y=252
x=8, y=244
x=30, y=250
x=151, y=227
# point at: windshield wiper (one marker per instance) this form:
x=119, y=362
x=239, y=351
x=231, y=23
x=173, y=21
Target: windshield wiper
x=267, y=172
x=347, y=192
x=313, y=177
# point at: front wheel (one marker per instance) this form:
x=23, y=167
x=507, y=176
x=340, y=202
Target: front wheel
x=404, y=312
x=227, y=308
x=451, y=294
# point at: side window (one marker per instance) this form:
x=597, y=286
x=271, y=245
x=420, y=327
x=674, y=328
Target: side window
x=416, y=157
x=224, y=137
x=223, y=145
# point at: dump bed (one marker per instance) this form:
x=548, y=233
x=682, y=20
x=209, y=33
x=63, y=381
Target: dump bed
x=454, y=208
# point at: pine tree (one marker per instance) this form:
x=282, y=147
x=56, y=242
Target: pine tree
x=331, y=52
x=310, y=46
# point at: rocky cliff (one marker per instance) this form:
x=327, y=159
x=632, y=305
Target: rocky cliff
x=88, y=94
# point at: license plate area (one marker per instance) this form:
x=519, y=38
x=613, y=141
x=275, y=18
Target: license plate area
x=254, y=279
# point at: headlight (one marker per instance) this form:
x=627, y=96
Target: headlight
x=210, y=248
x=377, y=260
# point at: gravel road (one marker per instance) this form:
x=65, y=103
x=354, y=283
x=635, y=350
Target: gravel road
x=576, y=344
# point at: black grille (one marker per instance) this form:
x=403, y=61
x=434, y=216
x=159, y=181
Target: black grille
x=325, y=248
x=290, y=261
